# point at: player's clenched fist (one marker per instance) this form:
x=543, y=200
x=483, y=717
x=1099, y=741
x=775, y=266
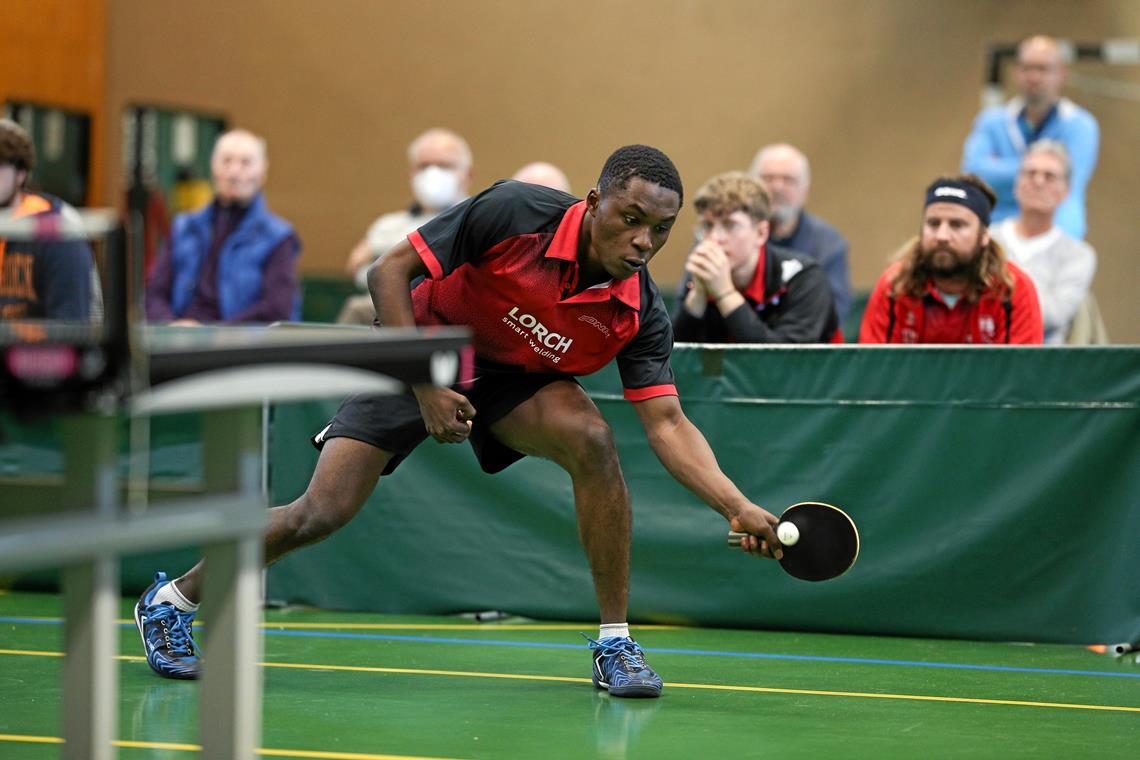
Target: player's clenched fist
x=447, y=414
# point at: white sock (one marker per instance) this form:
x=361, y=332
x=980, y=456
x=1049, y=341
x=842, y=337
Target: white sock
x=170, y=593
x=613, y=629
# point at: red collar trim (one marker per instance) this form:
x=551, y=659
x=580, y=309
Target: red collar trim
x=755, y=290
x=564, y=247
x=565, y=243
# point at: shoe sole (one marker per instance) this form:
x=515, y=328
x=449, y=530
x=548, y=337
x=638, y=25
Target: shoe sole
x=635, y=691
x=641, y=690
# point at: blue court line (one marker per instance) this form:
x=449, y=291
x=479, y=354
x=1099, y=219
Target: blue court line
x=653, y=650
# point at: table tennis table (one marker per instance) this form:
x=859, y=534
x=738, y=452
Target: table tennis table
x=93, y=373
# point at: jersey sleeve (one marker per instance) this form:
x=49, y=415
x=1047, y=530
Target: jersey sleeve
x=470, y=228
x=1026, y=326
x=644, y=363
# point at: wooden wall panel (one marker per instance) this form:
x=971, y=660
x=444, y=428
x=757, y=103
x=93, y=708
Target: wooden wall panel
x=54, y=52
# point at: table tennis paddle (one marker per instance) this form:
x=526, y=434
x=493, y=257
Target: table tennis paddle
x=828, y=543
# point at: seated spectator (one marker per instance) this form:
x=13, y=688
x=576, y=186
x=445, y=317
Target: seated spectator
x=39, y=279
x=737, y=287
x=233, y=261
x=1062, y=267
x=952, y=283
x=542, y=173
x=439, y=172
x=786, y=175
x=1002, y=133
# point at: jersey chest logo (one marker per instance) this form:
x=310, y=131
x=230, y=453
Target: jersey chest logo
x=544, y=340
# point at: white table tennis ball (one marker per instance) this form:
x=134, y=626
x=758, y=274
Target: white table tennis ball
x=788, y=533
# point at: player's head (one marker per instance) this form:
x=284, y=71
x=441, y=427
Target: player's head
x=1040, y=72
x=239, y=166
x=786, y=174
x=543, y=173
x=642, y=161
x=439, y=165
x=17, y=159
x=1043, y=179
x=954, y=241
x=733, y=210
x=632, y=210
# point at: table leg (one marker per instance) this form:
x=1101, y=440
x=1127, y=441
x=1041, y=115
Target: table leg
x=90, y=597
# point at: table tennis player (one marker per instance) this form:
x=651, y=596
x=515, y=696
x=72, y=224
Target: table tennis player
x=552, y=287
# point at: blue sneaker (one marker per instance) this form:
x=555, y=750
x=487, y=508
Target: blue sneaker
x=620, y=668
x=166, y=635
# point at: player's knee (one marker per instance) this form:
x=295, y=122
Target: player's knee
x=592, y=444
x=312, y=521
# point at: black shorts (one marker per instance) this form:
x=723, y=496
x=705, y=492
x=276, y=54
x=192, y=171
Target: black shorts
x=393, y=423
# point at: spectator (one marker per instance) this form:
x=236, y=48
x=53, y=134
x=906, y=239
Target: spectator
x=39, y=279
x=1062, y=267
x=234, y=260
x=786, y=175
x=1001, y=134
x=542, y=173
x=439, y=171
x=739, y=289
x=952, y=283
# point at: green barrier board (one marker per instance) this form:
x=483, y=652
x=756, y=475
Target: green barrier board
x=997, y=492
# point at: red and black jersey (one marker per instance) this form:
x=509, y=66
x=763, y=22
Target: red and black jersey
x=505, y=264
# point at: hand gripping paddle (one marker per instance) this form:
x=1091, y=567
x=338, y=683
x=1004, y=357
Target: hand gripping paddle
x=828, y=543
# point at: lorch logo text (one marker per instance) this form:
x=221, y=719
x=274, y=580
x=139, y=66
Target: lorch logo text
x=544, y=342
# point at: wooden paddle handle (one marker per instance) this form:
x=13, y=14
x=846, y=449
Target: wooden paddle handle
x=735, y=537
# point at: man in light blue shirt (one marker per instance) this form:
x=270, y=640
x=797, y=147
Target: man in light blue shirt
x=1001, y=134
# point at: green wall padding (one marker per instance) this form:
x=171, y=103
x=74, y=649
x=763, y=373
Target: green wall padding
x=996, y=489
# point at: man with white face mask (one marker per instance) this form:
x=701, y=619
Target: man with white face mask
x=439, y=169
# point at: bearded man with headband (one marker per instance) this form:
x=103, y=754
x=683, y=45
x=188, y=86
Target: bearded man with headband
x=953, y=283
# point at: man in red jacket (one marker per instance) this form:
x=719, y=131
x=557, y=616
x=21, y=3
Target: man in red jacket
x=953, y=283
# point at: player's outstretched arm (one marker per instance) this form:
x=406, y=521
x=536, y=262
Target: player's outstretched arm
x=687, y=456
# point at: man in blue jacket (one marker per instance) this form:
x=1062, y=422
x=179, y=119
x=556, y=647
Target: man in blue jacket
x=1001, y=134
x=233, y=261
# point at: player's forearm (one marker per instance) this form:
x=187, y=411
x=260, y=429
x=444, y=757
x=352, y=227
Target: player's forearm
x=688, y=457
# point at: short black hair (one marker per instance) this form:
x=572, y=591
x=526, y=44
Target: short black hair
x=631, y=161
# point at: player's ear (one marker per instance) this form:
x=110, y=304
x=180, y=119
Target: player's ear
x=593, y=198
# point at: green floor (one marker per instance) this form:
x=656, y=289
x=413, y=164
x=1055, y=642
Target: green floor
x=359, y=686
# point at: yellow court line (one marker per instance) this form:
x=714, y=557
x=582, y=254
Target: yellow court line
x=717, y=687
x=671, y=684
x=30, y=739
x=263, y=751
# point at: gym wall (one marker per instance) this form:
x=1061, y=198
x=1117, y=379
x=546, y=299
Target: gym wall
x=879, y=93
